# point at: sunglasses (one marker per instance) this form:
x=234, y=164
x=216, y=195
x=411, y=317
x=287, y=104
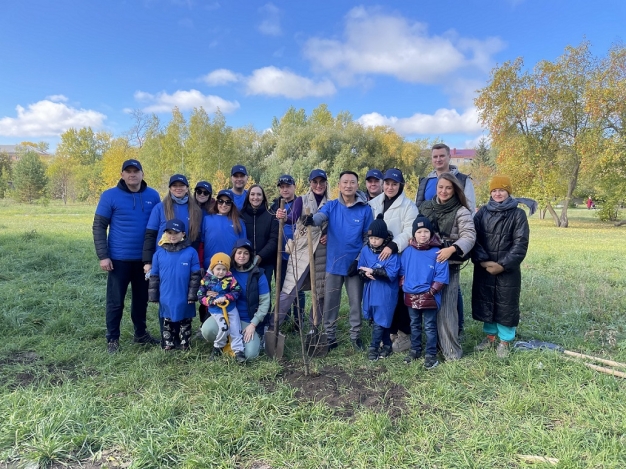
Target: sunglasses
x=202, y=192
x=224, y=202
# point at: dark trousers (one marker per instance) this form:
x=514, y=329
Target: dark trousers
x=298, y=303
x=430, y=328
x=123, y=274
x=380, y=334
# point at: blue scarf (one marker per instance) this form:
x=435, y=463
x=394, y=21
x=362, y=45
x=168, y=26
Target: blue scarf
x=507, y=204
x=180, y=201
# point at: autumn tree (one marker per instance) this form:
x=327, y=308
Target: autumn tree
x=541, y=124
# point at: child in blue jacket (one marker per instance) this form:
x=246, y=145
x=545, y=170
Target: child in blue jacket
x=380, y=287
x=217, y=287
x=173, y=282
x=422, y=279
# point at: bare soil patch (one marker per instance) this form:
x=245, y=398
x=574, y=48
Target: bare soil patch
x=347, y=391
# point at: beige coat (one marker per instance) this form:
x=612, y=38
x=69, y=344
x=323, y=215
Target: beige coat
x=298, y=262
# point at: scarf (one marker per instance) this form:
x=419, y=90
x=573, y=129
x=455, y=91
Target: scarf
x=442, y=215
x=180, y=201
x=507, y=204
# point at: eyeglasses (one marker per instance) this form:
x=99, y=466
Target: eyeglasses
x=202, y=192
x=224, y=202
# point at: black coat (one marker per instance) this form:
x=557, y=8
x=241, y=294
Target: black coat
x=501, y=237
x=262, y=231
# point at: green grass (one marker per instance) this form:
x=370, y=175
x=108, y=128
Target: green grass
x=63, y=399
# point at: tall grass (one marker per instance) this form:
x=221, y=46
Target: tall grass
x=65, y=400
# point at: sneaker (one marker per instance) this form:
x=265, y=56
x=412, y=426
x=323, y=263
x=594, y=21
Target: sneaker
x=372, y=354
x=146, y=339
x=216, y=353
x=240, y=357
x=430, y=361
x=385, y=351
x=113, y=346
x=402, y=343
x=488, y=342
x=357, y=345
x=413, y=355
x=502, y=351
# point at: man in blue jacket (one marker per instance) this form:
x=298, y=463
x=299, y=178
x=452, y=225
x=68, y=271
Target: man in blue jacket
x=124, y=210
x=349, y=216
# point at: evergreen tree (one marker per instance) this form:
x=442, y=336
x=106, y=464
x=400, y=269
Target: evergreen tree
x=29, y=177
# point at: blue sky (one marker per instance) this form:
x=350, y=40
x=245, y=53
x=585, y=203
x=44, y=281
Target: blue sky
x=410, y=64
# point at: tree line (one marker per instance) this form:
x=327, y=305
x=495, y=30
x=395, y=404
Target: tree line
x=558, y=130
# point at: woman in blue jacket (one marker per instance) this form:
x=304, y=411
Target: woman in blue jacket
x=222, y=227
x=178, y=204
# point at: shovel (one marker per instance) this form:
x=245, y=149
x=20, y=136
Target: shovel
x=316, y=343
x=274, y=340
x=227, y=349
x=539, y=345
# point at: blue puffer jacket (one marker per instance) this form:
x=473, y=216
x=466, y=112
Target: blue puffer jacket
x=126, y=216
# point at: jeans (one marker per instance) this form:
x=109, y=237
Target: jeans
x=123, y=274
x=430, y=328
x=380, y=334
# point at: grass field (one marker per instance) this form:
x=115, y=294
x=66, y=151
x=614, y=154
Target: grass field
x=64, y=402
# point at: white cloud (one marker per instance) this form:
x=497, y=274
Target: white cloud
x=272, y=81
x=57, y=98
x=385, y=44
x=185, y=101
x=443, y=121
x=221, y=76
x=48, y=118
x=270, y=25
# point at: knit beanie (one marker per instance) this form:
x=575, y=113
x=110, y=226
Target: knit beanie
x=220, y=258
x=422, y=222
x=378, y=228
x=501, y=182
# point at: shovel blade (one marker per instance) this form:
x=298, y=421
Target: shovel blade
x=316, y=344
x=274, y=344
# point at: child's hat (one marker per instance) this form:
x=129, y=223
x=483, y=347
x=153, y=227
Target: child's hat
x=501, y=182
x=220, y=259
x=175, y=225
x=378, y=228
x=422, y=222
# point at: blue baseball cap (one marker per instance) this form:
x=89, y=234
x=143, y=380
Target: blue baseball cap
x=227, y=192
x=286, y=179
x=239, y=168
x=395, y=175
x=175, y=225
x=178, y=178
x=374, y=173
x=133, y=163
x=243, y=243
x=205, y=185
x=318, y=173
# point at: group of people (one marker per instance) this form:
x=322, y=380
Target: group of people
x=398, y=259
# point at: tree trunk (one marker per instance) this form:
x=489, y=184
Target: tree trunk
x=620, y=223
x=542, y=213
x=554, y=215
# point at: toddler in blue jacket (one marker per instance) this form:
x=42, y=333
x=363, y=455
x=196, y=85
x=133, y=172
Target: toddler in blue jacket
x=422, y=279
x=173, y=282
x=380, y=288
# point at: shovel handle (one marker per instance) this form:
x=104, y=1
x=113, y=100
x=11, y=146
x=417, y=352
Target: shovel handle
x=279, y=267
x=223, y=306
x=597, y=359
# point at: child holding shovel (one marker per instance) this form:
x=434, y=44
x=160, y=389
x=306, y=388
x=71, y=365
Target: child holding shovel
x=216, y=288
x=380, y=280
x=173, y=283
